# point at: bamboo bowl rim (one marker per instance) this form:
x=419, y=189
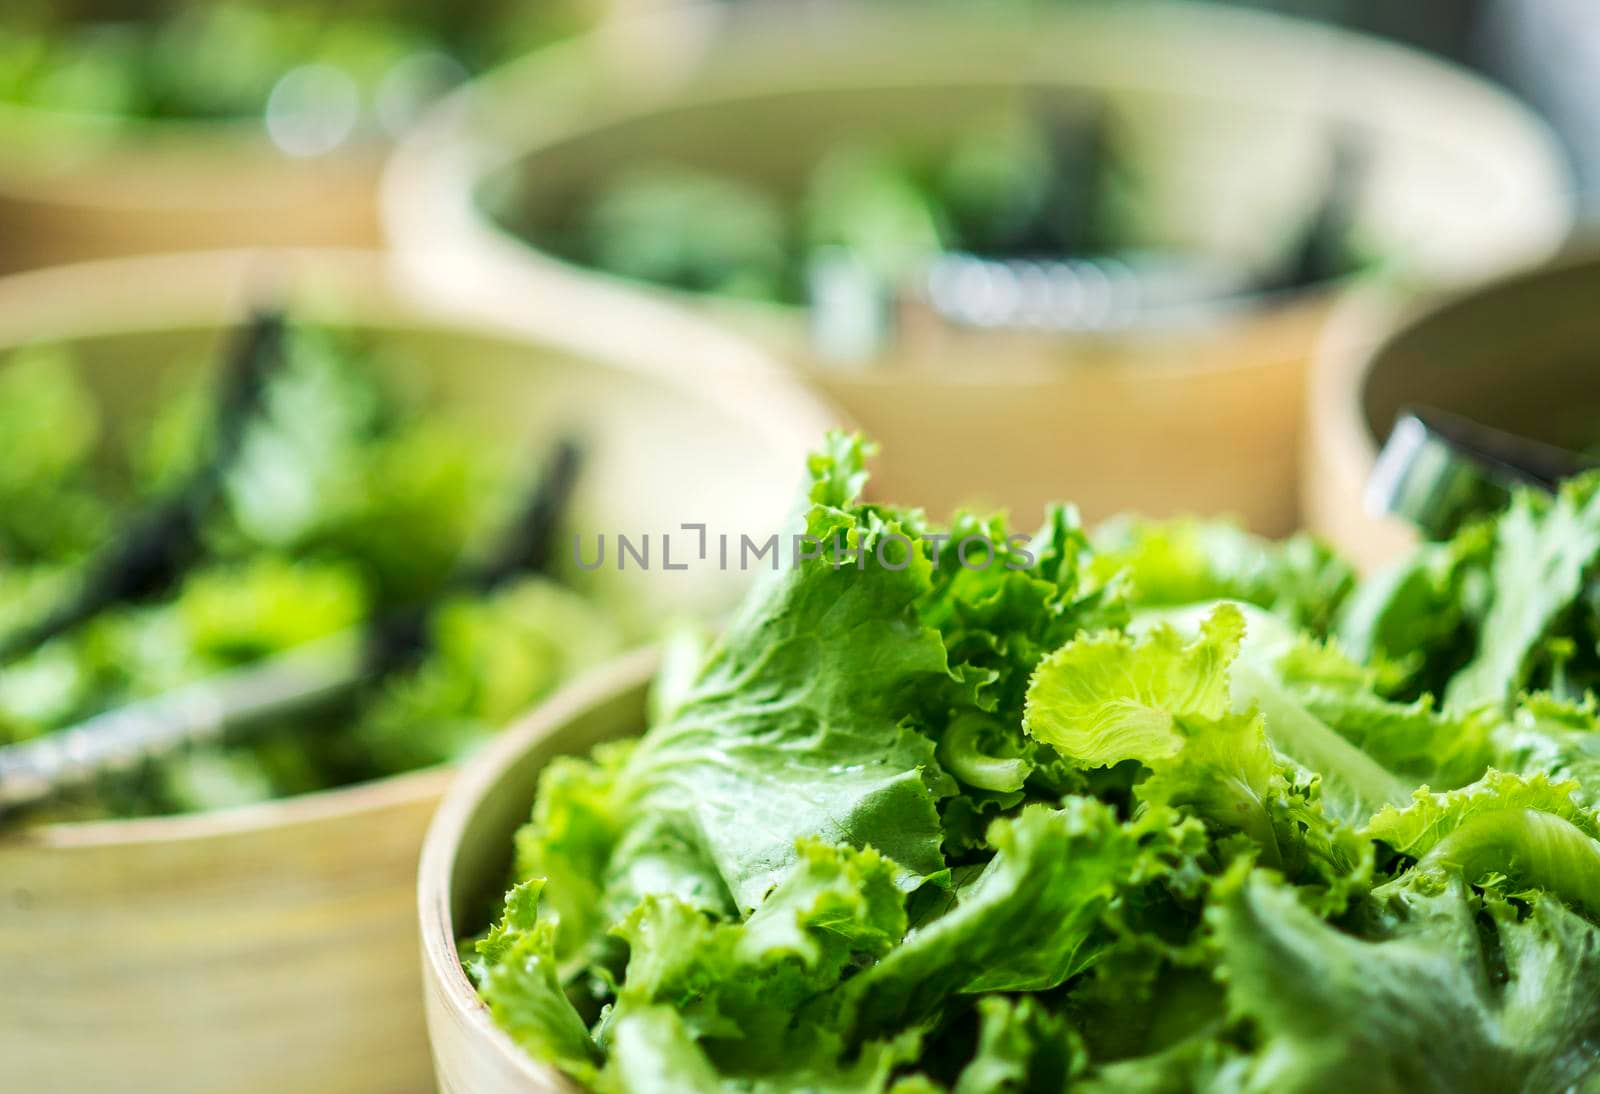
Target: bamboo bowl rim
x=1362, y=330
x=39, y=304
x=436, y=871
x=432, y=185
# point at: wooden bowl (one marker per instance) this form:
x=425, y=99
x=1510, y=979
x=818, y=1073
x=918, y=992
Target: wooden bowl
x=1518, y=353
x=73, y=188
x=273, y=947
x=1231, y=111
x=467, y=858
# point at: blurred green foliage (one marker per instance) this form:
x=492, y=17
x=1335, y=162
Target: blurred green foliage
x=347, y=501
x=192, y=60
x=1013, y=185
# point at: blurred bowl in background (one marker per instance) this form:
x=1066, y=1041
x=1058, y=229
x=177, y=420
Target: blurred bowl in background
x=273, y=947
x=1229, y=116
x=1520, y=354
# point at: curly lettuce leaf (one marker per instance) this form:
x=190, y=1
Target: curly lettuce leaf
x=1414, y=740
x=1031, y=919
x=1453, y=994
x=1555, y=738
x=1420, y=614
x=1415, y=829
x=1103, y=698
x=518, y=979
x=572, y=834
x=799, y=722
x=653, y=1051
x=718, y=1002
x=1170, y=563
x=489, y=660
x=1545, y=552
x=1021, y=1047
x=1528, y=833
x=1231, y=758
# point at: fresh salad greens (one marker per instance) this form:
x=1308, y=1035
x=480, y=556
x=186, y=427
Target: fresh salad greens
x=195, y=60
x=1042, y=183
x=346, y=502
x=1002, y=187
x=1165, y=808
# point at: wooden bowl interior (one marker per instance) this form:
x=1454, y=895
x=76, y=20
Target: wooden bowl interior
x=1521, y=356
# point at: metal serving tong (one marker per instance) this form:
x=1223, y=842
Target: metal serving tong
x=297, y=682
x=1439, y=469
x=162, y=540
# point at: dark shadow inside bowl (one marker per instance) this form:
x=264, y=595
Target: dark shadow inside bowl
x=1523, y=357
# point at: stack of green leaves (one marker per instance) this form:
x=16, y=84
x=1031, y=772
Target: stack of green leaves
x=347, y=501
x=1119, y=813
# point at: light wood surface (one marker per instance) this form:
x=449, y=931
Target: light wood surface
x=467, y=858
x=1518, y=353
x=273, y=948
x=1229, y=112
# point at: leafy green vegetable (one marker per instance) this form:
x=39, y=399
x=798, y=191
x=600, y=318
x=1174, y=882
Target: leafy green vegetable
x=1455, y=991
x=1114, y=817
x=1186, y=561
x=49, y=507
x=1505, y=607
x=1544, y=554
x=347, y=502
x=223, y=60
x=679, y=227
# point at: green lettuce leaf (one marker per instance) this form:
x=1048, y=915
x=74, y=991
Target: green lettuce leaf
x=1420, y=614
x=800, y=723
x=1417, y=828
x=49, y=433
x=1545, y=550
x=1021, y=1047
x=1452, y=993
x=1035, y=916
x=1551, y=737
x=1102, y=699
x=1184, y=561
x=519, y=980
x=1166, y=704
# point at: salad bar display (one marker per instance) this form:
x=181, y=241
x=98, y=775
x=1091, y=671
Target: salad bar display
x=450, y=637
x=1161, y=807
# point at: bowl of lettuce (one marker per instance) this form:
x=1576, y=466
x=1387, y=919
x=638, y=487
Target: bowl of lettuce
x=240, y=915
x=1165, y=807
x=136, y=128
x=723, y=155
